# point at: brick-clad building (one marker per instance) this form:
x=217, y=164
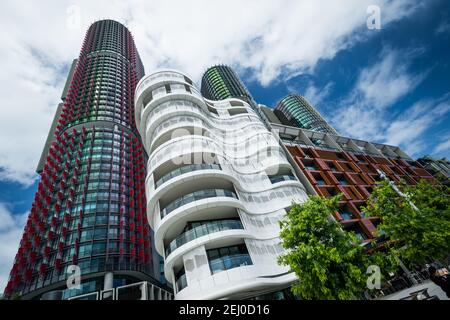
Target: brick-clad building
x=353, y=175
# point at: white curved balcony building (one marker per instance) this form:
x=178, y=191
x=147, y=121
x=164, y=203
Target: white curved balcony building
x=217, y=185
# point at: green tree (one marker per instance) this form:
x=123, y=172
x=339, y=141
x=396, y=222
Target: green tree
x=329, y=262
x=416, y=219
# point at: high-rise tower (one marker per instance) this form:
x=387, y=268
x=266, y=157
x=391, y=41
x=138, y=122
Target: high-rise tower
x=221, y=82
x=90, y=207
x=218, y=183
x=294, y=110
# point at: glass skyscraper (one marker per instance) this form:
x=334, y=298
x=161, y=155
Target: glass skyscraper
x=90, y=206
x=294, y=110
x=221, y=82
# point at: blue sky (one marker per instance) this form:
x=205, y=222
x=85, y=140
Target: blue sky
x=390, y=85
x=419, y=48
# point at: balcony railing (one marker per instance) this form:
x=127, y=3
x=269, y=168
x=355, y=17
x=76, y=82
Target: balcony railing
x=194, y=196
x=183, y=170
x=229, y=262
x=276, y=179
x=202, y=230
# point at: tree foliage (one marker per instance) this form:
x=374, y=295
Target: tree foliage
x=329, y=262
x=417, y=222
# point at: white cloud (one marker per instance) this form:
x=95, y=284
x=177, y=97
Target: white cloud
x=443, y=145
x=367, y=113
x=386, y=81
x=272, y=40
x=408, y=128
x=443, y=28
x=11, y=229
x=354, y=119
x=317, y=95
x=362, y=113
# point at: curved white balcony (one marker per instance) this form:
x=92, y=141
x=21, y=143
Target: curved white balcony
x=195, y=196
x=235, y=284
x=192, y=96
x=208, y=228
x=149, y=82
x=172, y=109
x=187, y=210
x=256, y=146
x=163, y=76
x=180, y=171
x=183, y=124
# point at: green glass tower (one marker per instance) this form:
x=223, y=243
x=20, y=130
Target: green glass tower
x=294, y=110
x=221, y=82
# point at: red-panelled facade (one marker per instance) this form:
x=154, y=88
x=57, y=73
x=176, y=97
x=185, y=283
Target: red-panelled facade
x=353, y=175
x=90, y=206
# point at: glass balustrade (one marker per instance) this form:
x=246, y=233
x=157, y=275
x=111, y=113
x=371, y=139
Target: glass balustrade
x=202, y=230
x=179, y=171
x=230, y=262
x=194, y=196
x=276, y=179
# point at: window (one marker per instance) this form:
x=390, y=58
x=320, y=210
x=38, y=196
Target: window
x=86, y=235
x=310, y=166
x=212, y=110
x=345, y=213
x=88, y=220
x=85, y=250
x=99, y=248
x=228, y=257
x=113, y=246
x=319, y=180
x=360, y=235
x=187, y=80
x=100, y=233
x=113, y=220
x=113, y=233
x=236, y=104
x=197, y=229
x=332, y=191
x=342, y=180
x=332, y=166
x=101, y=219
x=234, y=112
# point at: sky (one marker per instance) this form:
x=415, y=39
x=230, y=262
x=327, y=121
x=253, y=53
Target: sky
x=389, y=84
